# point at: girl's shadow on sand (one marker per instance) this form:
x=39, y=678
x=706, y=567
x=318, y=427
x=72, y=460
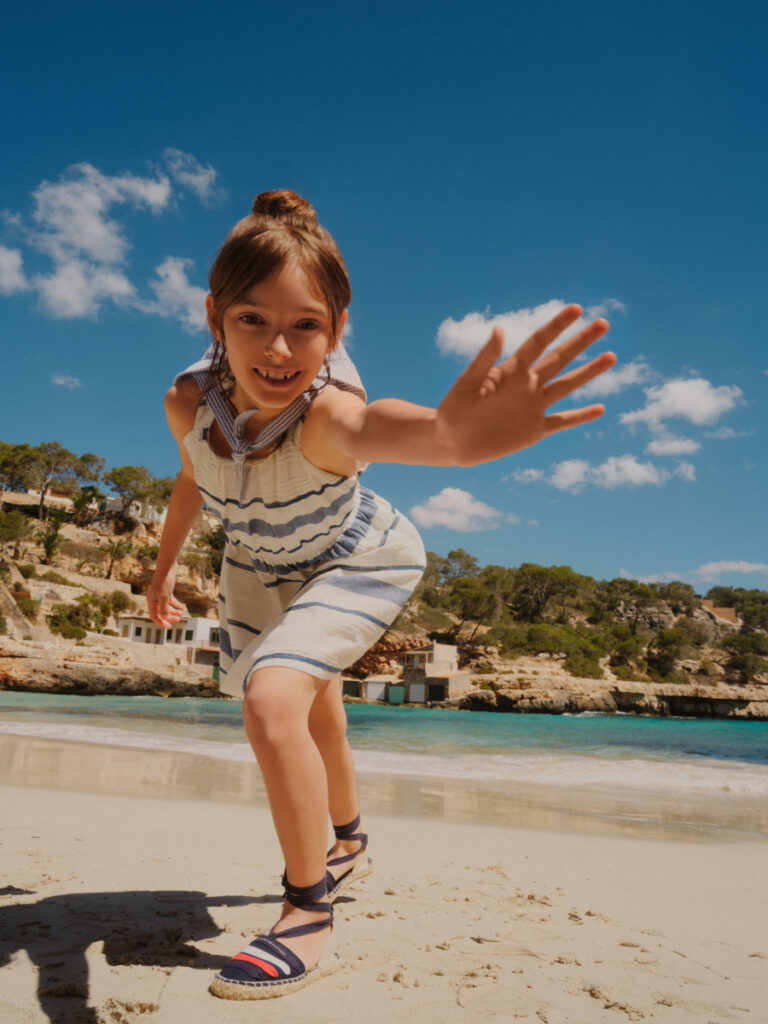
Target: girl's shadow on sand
x=151, y=928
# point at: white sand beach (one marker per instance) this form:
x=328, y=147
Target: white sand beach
x=118, y=908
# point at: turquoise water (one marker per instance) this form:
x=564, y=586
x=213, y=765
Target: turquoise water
x=586, y=750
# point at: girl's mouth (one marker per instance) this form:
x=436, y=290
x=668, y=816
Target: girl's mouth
x=277, y=378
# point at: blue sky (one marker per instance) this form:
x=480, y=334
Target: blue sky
x=474, y=162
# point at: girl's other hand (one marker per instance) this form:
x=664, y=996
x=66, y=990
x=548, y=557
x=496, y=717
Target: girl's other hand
x=493, y=410
x=162, y=605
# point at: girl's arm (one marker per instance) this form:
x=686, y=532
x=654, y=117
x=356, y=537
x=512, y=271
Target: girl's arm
x=491, y=411
x=186, y=501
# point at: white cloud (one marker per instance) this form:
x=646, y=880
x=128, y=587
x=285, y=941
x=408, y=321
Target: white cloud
x=12, y=277
x=190, y=173
x=467, y=336
x=458, y=510
x=524, y=476
x=613, y=381
x=606, y=307
x=73, y=212
x=727, y=433
x=694, y=399
x=669, y=445
x=657, y=577
x=64, y=380
x=78, y=223
x=177, y=299
x=712, y=570
x=77, y=288
x=570, y=474
x=616, y=471
x=686, y=471
x=532, y=522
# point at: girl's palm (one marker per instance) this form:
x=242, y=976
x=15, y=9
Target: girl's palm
x=495, y=409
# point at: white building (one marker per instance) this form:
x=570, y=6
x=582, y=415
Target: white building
x=434, y=659
x=199, y=637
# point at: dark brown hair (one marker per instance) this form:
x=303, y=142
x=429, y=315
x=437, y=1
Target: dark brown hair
x=283, y=228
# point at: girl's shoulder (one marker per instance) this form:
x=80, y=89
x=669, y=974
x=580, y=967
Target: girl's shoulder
x=181, y=404
x=314, y=440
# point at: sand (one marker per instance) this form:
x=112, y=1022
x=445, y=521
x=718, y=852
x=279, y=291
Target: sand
x=118, y=908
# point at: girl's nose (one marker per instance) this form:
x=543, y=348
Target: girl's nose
x=278, y=347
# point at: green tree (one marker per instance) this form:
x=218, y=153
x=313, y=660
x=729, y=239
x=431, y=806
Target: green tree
x=472, y=600
x=130, y=483
x=681, y=597
x=15, y=528
x=15, y=466
x=500, y=582
x=628, y=599
x=747, y=654
x=51, y=538
x=566, y=583
x=459, y=563
x=664, y=650
x=116, y=549
x=533, y=587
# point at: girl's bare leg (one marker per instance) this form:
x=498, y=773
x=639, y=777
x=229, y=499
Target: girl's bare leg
x=276, y=713
x=328, y=727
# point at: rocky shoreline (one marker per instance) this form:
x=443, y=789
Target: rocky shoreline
x=91, y=670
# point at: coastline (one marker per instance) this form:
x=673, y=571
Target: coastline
x=121, y=907
x=101, y=667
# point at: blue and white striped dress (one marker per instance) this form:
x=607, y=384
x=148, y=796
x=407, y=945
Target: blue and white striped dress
x=315, y=566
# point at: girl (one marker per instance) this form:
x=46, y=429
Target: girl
x=273, y=429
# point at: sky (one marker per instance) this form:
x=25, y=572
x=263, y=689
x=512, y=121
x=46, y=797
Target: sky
x=477, y=163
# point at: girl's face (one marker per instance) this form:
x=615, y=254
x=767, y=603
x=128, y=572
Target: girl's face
x=276, y=337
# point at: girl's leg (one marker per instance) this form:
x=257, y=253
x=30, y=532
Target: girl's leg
x=328, y=727
x=276, y=712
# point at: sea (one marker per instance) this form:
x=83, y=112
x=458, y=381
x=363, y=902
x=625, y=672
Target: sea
x=697, y=777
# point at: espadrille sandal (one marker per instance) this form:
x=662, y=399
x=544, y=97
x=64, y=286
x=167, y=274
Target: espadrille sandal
x=267, y=968
x=362, y=867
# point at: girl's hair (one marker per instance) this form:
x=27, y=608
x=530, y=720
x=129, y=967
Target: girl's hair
x=283, y=228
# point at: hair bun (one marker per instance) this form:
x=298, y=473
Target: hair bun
x=286, y=206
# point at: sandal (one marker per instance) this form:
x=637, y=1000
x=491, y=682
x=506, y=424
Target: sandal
x=360, y=869
x=267, y=968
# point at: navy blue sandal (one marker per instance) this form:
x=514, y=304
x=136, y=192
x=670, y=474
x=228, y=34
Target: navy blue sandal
x=267, y=968
x=362, y=867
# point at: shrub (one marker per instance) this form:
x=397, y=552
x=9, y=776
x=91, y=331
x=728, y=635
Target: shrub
x=54, y=577
x=579, y=664
x=120, y=601
x=627, y=674
x=3, y=625
x=27, y=605
x=109, y=632
x=27, y=571
x=69, y=631
x=147, y=553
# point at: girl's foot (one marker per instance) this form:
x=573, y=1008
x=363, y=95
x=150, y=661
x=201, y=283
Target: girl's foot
x=292, y=954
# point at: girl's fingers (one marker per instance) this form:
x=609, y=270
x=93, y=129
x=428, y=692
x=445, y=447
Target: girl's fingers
x=540, y=340
x=575, y=378
x=553, y=362
x=473, y=377
x=574, y=418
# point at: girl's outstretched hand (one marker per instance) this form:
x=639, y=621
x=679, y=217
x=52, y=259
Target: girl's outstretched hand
x=495, y=409
x=162, y=605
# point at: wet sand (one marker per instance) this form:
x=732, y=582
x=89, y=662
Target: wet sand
x=129, y=877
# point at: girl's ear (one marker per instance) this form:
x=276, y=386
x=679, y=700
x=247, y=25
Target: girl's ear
x=340, y=329
x=210, y=313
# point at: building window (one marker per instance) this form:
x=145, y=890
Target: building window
x=138, y=631
x=214, y=638
x=168, y=634
x=188, y=635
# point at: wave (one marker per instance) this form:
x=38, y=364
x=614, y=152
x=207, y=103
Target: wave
x=666, y=775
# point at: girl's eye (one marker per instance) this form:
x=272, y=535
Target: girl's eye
x=308, y=325
x=251, y=318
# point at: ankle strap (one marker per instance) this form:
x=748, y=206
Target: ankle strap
x=349, y=833
x=346, y=831
x=311, y=898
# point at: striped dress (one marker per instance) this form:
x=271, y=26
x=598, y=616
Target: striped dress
x=315, y=566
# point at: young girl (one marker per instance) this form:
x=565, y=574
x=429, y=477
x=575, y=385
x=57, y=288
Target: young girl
x=273, y=429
